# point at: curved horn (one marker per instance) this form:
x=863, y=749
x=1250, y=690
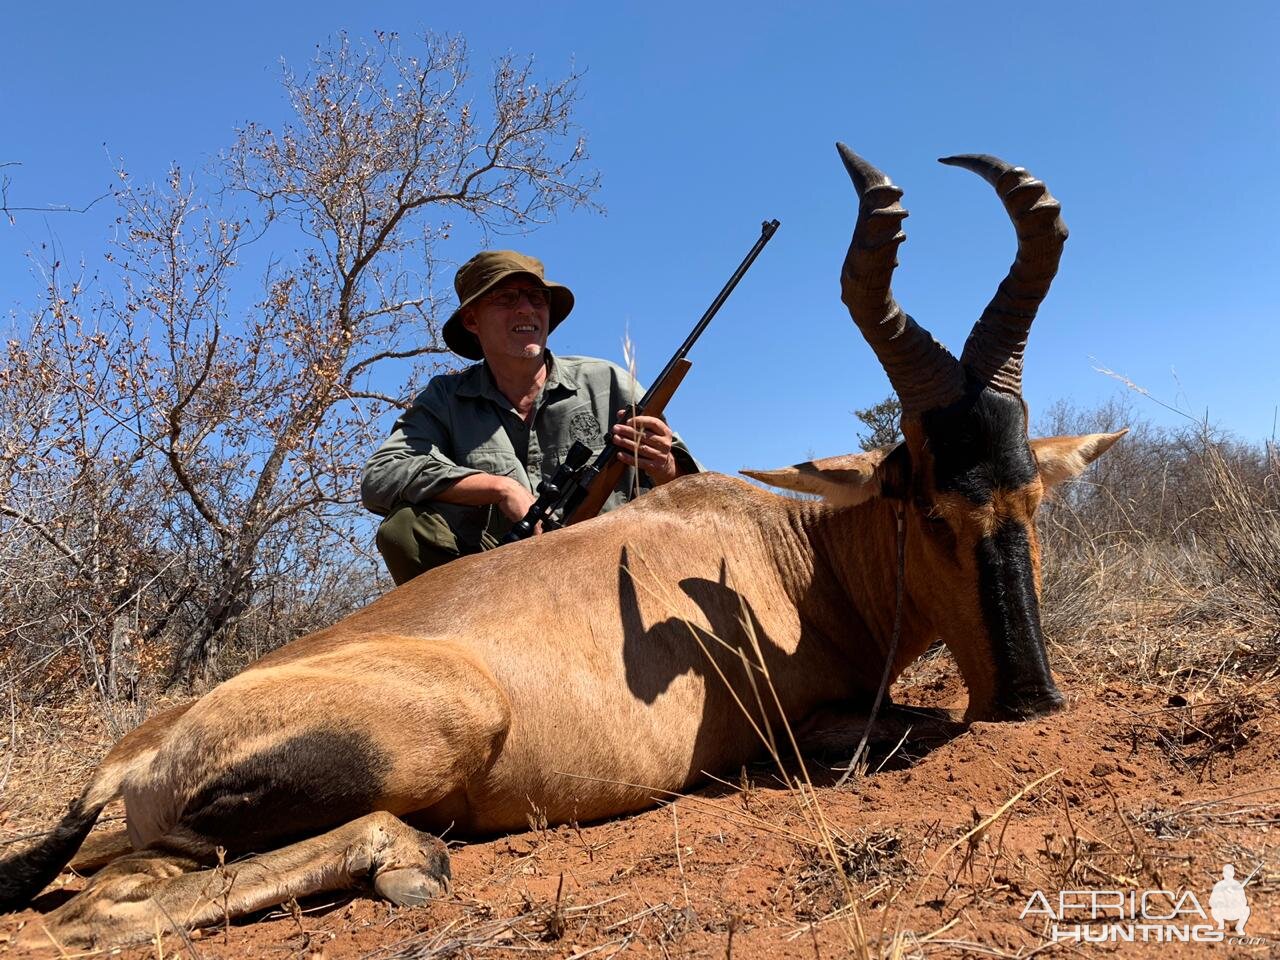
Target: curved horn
x=993, y=352
x=922, y=371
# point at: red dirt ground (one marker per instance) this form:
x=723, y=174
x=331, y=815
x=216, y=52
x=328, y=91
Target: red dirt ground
x=1130, y=788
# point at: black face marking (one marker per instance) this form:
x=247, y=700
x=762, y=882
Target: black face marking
x=1007, y=592
x=299, y=787
x=979, y=445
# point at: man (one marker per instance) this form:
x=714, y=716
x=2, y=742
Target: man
x=462, y=464
x=1227, y=901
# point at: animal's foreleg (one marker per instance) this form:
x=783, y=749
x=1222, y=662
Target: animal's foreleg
x=836, y=732
x=99, y=850
x=139, y=894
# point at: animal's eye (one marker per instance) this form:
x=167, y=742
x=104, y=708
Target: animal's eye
x=937, y=529
x=936, y=521
x=933, y=520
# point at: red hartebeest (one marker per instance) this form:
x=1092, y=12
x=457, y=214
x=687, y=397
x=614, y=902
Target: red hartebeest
x=562, y=672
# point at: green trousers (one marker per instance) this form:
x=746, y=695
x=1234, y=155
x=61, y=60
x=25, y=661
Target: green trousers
x=415, y=538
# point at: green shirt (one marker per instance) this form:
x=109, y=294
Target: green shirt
x=461, y=424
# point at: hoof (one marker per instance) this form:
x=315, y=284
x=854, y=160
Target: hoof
x=34, y=938
x=410, y=867
x=411, y=886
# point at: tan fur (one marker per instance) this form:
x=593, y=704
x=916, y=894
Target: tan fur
x=844, y=481
x=99, y=850
x=152, y=891
x=572, y=677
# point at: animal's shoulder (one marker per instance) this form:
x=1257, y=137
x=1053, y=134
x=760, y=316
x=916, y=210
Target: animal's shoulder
x=709, y=491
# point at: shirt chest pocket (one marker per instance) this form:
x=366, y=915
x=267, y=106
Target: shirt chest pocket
x=496, y=459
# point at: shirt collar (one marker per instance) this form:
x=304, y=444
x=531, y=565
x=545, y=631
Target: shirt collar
x=477, y=381
x=560, y=375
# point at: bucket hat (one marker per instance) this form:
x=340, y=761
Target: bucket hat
x=481, y=274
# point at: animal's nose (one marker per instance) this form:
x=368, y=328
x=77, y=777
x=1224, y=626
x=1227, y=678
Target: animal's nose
x=1050, y=702
x=1026, y=705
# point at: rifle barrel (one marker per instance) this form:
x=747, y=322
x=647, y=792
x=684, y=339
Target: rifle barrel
x=767, y=230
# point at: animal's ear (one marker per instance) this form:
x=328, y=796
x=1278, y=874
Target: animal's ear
x=846, y=480
x=1061, y=458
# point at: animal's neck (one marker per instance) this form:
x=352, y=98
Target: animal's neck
x=850, y=598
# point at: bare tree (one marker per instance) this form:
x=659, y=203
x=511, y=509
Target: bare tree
x=241, y=420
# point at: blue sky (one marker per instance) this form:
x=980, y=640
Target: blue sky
x=1157, y=125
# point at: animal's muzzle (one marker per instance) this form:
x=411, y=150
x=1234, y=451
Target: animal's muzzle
x=1024, y=686
x=1028, y=705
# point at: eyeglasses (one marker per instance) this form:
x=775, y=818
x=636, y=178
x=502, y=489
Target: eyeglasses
x=509, y=297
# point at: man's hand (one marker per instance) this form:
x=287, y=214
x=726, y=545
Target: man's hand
x=645, y=442
x=481, y=489
x=514, y=500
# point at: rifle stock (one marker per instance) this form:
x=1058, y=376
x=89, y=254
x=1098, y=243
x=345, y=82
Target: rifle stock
x=605, y=481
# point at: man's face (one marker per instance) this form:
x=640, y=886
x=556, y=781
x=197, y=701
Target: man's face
x=512, y=319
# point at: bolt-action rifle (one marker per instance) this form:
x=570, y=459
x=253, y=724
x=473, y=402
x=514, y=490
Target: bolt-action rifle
x=577, y=491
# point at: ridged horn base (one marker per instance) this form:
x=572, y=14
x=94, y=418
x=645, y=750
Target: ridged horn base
x=923, y=372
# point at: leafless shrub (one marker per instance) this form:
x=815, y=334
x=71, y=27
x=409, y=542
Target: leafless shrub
x=178, y=454
x=1165, y=552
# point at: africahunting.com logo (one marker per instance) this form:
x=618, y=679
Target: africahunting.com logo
x=1146, y=916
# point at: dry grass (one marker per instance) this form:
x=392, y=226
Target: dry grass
x=1163, y=561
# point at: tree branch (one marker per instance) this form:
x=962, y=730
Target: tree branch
x=44, y=533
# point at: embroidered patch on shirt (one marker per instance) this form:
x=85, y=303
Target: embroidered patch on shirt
x=585, y=427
